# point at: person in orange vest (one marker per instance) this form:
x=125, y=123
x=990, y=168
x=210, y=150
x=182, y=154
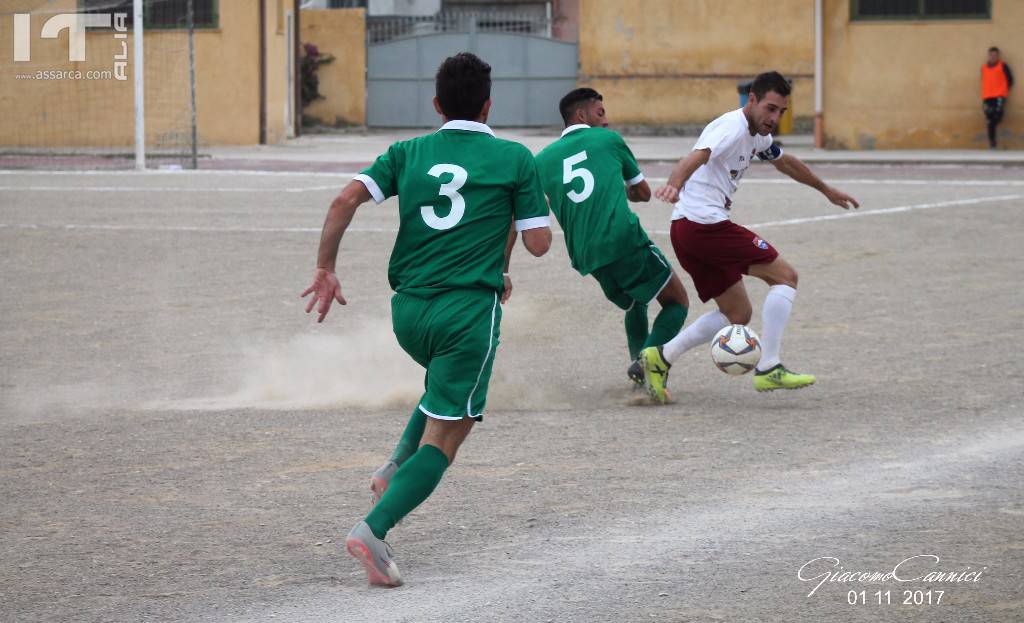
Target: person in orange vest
x=996, y=81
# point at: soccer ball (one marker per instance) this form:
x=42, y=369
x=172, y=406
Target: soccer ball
x=736, y=349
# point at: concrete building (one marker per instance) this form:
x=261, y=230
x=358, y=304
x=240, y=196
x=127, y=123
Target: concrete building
x=893, y=75
x=242, y=90
x=894, y=80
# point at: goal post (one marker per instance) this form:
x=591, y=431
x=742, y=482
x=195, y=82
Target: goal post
x=138, y=29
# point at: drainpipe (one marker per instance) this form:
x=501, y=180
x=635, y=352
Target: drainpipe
x=297, y=69
x=819, y=79
x=262, y=8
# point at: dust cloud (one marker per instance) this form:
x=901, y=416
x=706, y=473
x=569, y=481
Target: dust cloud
x=364, y=367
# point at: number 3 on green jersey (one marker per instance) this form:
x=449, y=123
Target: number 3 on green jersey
x=450, y=190
x=460, y=189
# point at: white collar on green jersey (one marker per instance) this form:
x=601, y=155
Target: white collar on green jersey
x=471, y=126
x=573, y=128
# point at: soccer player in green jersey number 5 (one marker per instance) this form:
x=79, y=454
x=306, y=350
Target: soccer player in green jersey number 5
x=587, y=175
x=459, y=190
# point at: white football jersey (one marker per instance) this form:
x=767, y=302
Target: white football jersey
x=707, y=195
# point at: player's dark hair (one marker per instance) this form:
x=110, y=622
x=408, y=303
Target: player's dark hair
x=994, y=49
x=463, y=84
x=576, y=98
x=770, y=81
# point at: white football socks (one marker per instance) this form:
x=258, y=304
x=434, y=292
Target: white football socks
x=700, y=332
x=774, y=317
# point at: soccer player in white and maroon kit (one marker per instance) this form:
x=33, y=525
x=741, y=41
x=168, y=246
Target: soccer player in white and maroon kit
x=717, y=252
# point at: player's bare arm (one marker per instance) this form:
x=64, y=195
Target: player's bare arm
x=509, y=245
x=325, y=287
x=796, y=169
x=639, y=192
x=669, y=193
x=537, y=241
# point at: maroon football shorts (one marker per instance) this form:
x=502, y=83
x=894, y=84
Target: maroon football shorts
x=718, y=255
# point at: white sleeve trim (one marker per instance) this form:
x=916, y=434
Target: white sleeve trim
x=371, y=186
x=636, y=180
x=533, y=223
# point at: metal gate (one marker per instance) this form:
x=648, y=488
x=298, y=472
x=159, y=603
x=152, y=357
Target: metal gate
x=529, y=75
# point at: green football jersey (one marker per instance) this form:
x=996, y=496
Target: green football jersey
x=459, y=190
x=582, y=174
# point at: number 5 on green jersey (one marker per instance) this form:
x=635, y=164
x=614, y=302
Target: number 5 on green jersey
x=569, y=174
x=583, y=175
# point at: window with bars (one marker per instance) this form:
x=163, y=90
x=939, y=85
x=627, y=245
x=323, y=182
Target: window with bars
x=919, y=9
x=163, y=14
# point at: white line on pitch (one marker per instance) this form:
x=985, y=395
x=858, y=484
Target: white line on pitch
x=874, y=182
x=343, y=176
x=883, y=211
x=225, y=172
x=189, y=228
x=894, y=210
x=163, y=189
x=333, y=187
x=391, y=230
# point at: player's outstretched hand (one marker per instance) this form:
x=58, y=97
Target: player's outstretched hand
x=668, y=194
x=840, y=198
x=325, y=289
x=507, y=294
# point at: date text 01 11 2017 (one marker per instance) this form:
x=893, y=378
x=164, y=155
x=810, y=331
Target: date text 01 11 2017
x=919, y=597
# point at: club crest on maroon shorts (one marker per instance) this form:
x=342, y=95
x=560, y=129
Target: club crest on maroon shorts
x=760, y=243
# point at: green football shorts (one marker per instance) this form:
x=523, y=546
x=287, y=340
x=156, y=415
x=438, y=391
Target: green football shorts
x=636, y=278
x=454, y=335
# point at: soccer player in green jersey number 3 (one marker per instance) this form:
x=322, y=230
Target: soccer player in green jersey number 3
x=460, y=190
x=586, y=174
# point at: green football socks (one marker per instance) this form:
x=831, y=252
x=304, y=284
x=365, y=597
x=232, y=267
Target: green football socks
x=667, y=324
x=636, y=329
x=410, y=441
x=411, y=484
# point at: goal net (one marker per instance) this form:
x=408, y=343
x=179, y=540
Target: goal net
x=68, y=92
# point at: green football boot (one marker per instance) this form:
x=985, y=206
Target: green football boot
x=778, y=377
x=655, y=373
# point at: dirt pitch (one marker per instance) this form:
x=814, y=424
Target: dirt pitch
x=179, y=442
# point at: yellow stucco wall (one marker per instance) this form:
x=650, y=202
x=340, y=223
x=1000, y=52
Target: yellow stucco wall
x=904, y=85
x=99, y=113
x=342, y=33
x=678, y=61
